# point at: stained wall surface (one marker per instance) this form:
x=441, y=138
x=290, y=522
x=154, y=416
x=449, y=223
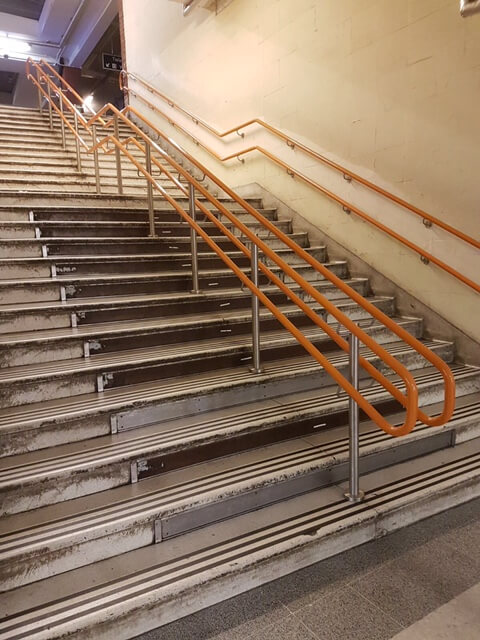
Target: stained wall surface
x=390, y=88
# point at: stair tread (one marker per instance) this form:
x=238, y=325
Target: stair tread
x=169, y=434
x=56, y=525
x=103, y=239
x=137, y=395
x=119, y=257
x=180, y=321
x=188, y=349
x=152, y=275
x=110, y=301
x=160, y=571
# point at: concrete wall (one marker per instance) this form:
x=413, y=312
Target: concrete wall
x=390, y=88
x=26, y=94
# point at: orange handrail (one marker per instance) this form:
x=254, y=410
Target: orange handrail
x=295, y=144
x=409, y=401
x=350, y=208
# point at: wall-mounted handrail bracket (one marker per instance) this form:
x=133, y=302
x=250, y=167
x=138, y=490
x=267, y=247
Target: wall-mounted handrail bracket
x=424, y=259
x=291, y=173
x=346, y=210
x=427, y=223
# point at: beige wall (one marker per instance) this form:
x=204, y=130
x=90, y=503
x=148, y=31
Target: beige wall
x=390, y=88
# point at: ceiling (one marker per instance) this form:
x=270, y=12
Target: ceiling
x=31, y=9
x=8, y=80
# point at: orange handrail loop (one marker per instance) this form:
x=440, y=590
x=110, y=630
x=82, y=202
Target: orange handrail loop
x=406, y=393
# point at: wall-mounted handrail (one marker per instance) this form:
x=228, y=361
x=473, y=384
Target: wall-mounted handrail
x=350, y=208
x=409, y=400
x=295, y=144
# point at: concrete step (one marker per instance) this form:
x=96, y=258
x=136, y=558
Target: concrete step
x=28, y=268
x=27, y=248
x=160, y=281
x=76, y=312
x=72, y=470
x=108, y=369
x=38, y=545
x=152, y=586
x=47, y=423
x=127, y=215
x=25, y=347
x=111, y=229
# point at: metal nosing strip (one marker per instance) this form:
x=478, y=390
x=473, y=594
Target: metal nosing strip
x=93, y=454
x=159, y=498
x=112, y=591
x=111, y=402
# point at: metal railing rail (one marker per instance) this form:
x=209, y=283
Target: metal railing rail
x=110, y=143
x=428, y=219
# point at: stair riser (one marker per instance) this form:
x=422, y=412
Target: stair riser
x=35, y=352
x=33, y=249
x=66, y=385
x=84, y=549
x=43, y=269
x=89, y=478
x=139, y=216
x=255, y=391
x=58, y=431
x=131, y=311
x=162, y=284
x=127, y=230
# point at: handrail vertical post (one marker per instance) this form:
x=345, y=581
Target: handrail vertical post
x=40, y=97
x=62, y=123
x=193, y=239
x=118, y=158
x=256, y=365
x=354, y=493
x=151, y=210
x=77, y=142
x=50, y=114
x=95, y=159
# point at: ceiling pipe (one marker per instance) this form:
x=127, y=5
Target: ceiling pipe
x=469, y=7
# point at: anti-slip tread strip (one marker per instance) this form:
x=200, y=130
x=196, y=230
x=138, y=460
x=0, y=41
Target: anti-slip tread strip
x=246, y=417
x=136, y=396
x=136, y=358
x=162, y=353
x=222, y=556
x=150, y=504
x=156, y=276
x=110, y=302
x=169, y=323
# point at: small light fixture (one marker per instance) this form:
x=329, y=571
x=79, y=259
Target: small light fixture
x=11, y=46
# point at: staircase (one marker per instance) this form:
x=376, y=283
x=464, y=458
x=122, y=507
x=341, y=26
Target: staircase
x=145, y=471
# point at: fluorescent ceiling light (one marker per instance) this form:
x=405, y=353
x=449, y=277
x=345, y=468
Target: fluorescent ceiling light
x=11, y=46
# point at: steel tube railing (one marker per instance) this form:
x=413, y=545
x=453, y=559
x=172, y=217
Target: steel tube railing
x=193, y=239
x=95, y=159
x=118, y=159
x=151, y=209
x=354, y=493
x=256, y=365
x=409, y=400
